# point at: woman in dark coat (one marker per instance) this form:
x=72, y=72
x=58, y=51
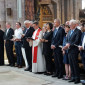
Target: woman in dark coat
x=47, y=51
x=1, y=47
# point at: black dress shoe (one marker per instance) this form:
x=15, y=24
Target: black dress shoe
x=60, y=76
x=55, y=75
x=72, y=80
x=19, y=66
x=45, y=73
x=77, y=81
x=8, y=65
x=30, y=70
x=48, y=74
x=12, y=65
x=16, y=65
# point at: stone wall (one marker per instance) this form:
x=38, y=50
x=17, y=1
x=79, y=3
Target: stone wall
x=4, y=4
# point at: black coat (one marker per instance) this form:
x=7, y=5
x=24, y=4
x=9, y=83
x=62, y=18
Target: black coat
x=1, y=48
x=29, y=33
x=74, y=40
x=58, y=38
x=47, y=45
x=9, y=36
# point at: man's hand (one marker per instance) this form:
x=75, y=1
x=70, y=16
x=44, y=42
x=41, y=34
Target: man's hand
x=53, y=47
x=63, y=52
x=29, y=40
x=68, y=45
x=80, y=48
x=65, y=48
x=23, y=35
x=42, y=40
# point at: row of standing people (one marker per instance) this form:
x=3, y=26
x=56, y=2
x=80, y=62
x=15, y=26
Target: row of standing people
x=29, y=44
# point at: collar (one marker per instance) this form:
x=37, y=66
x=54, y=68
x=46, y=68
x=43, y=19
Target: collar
x=19, y=28
x=57, y=27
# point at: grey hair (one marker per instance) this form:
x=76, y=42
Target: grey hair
x=8, y=23
x=31, y=22
x=73, y=21
x=57, y=20
x=27, y=21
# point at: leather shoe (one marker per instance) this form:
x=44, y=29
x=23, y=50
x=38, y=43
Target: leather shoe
x=60, y=76
x=30, y=70
x=55, y=75
x=19, y=66
x=77, y=81
x=72, y=80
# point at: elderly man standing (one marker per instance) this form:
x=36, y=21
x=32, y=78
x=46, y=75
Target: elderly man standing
x=73, y=40
x=28, y=49
x=38, y=60
x=9, y=44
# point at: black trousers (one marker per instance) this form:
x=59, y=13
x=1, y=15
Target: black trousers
x=1, y=54
x=73, y=61
x=49, y=63
x=83, y=59
x=9, y=52
x=58, y=59
x=28, y=51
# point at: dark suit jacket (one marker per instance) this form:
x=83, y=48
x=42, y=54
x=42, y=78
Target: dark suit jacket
x=74, y=40
x=1, y=38
x=82, y=51
x=29, y=33
x=58, y=39
x=9, y=36
x=82, y=39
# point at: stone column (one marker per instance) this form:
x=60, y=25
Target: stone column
x=77, y=8
x=59, y=15
x=63, y=14
x=71, y=9
x=2, y=14
x=68, y=8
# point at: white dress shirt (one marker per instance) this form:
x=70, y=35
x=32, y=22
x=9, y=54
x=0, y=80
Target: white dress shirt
x=18, y=33
x=7, y=31
x=83, y=43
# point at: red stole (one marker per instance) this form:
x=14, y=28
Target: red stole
x=36, y=48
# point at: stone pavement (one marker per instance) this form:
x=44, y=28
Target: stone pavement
x=15, y=76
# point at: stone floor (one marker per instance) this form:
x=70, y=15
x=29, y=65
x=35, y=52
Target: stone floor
x=15, y=76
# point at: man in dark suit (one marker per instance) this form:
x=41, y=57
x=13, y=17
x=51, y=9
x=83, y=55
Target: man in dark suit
x=56, y=44
x=1, y=47
x=28, y=49
x=73, y=40
x=9, y=44
x=82, y=50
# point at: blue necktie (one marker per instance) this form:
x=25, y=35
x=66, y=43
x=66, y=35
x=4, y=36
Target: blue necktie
x=55, y=32
x=71, y=33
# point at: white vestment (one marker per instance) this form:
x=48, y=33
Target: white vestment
x=24, y=57
x=38, y=65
